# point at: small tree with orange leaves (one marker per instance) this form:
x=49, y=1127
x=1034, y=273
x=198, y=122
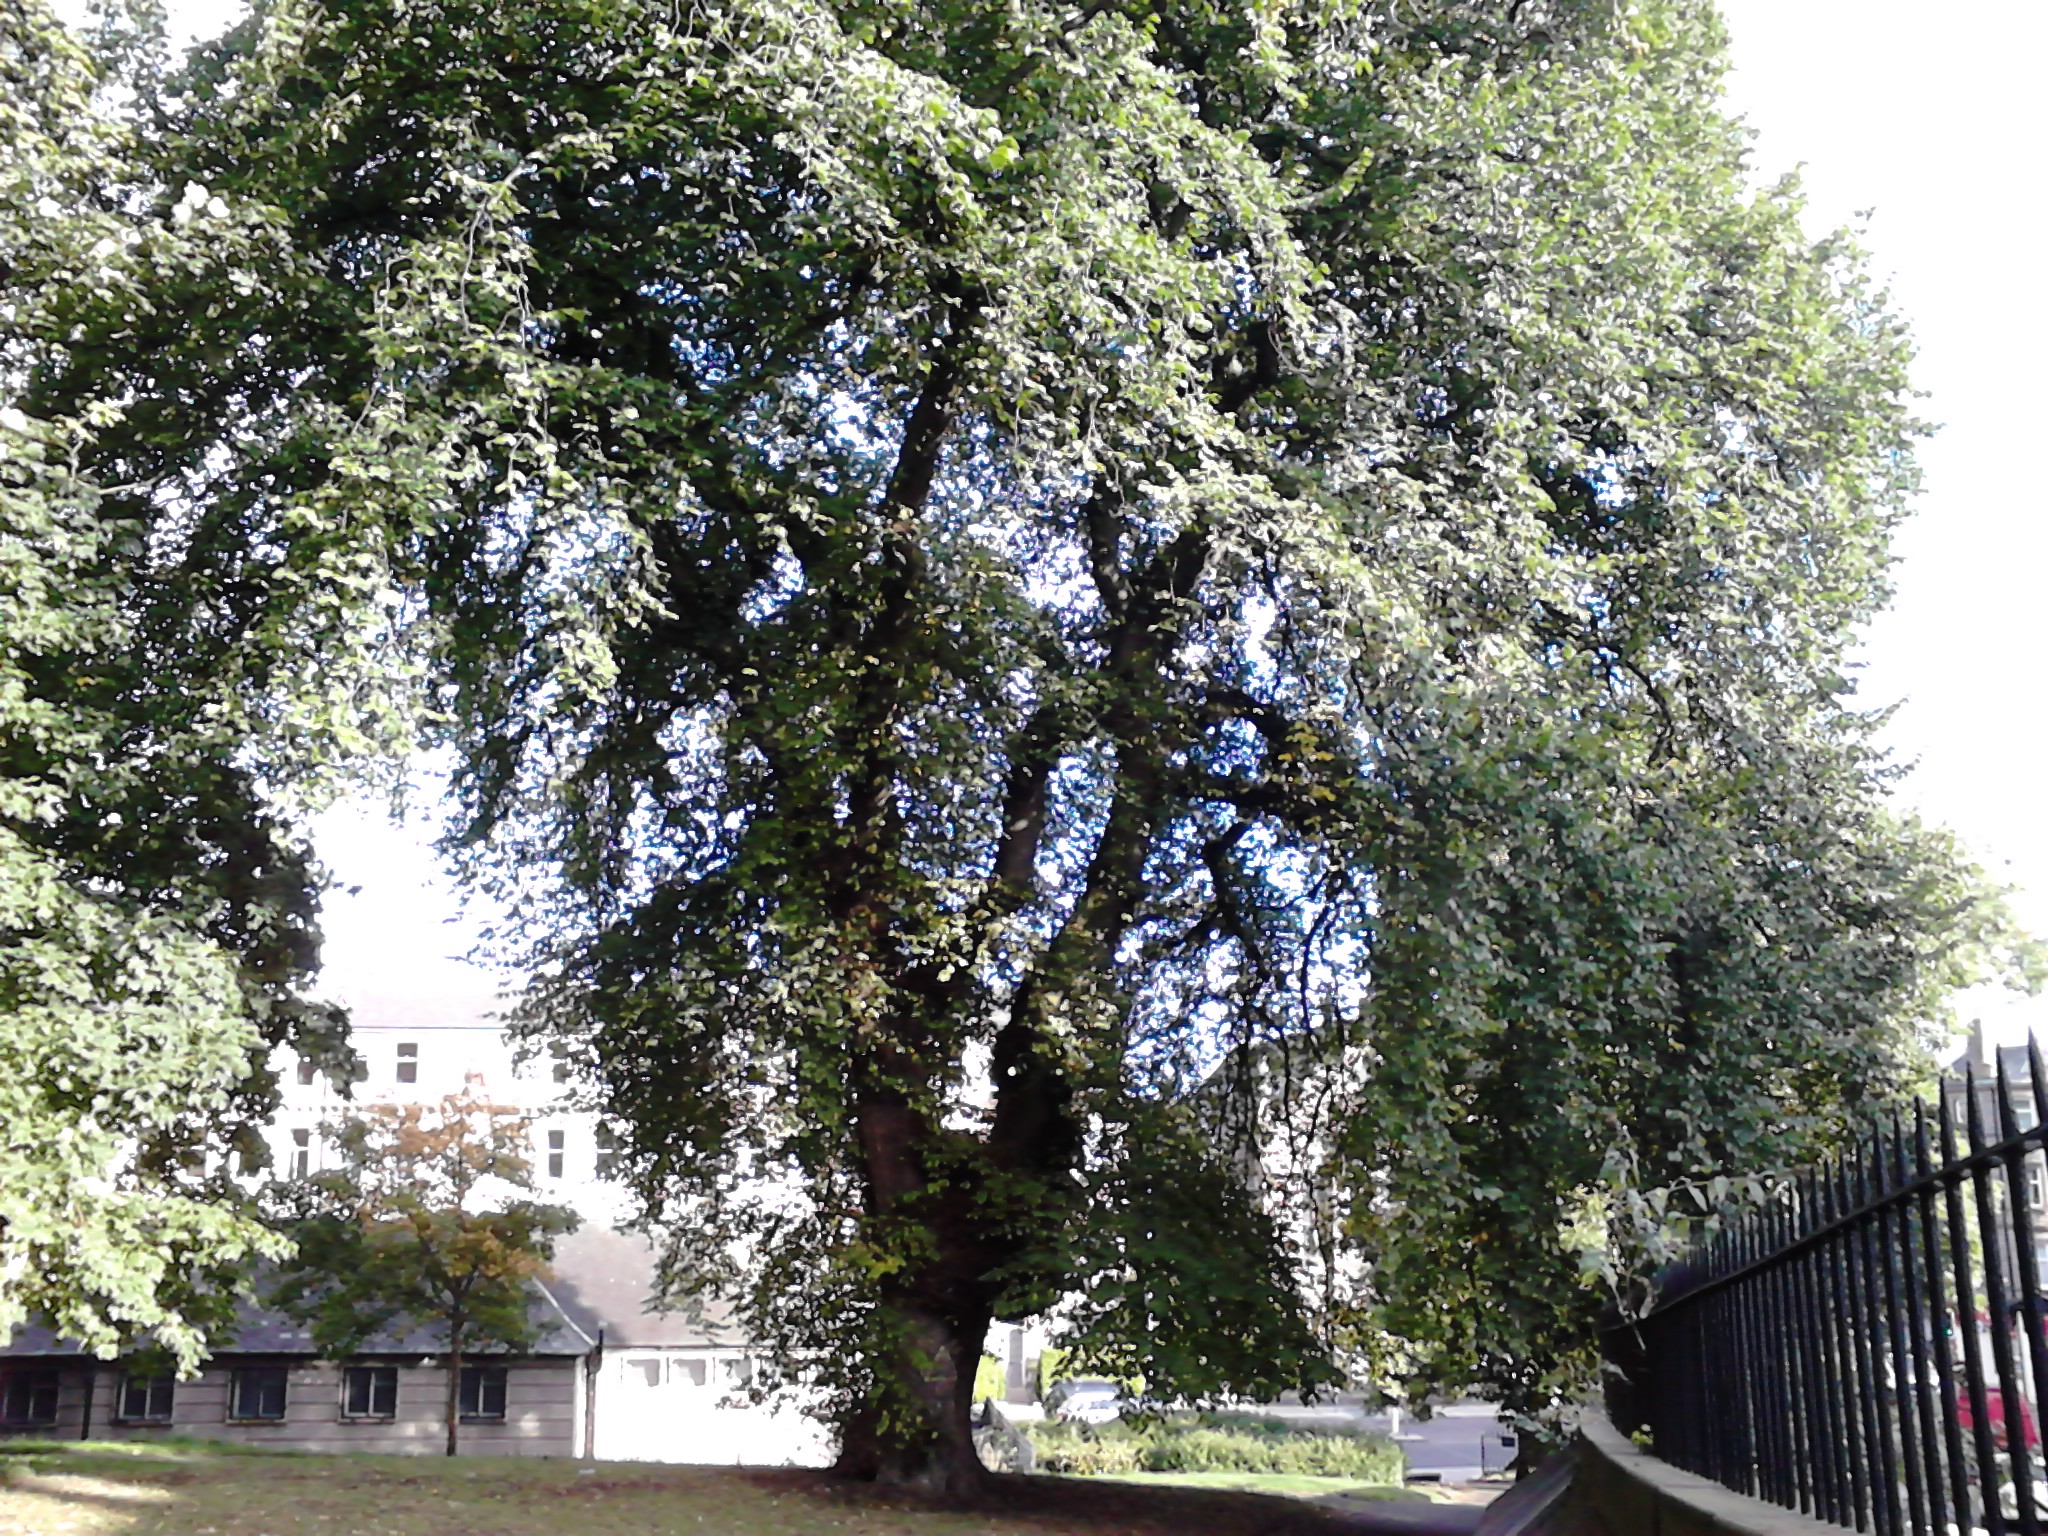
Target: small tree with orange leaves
x=424, y=1225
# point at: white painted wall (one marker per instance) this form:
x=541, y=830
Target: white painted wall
x=686, y=1405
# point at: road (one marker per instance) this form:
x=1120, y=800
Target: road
x=1459, y=1442
x=1453, y=1444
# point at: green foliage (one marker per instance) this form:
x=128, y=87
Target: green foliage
x=421, y=1225
x=986, y=570
x=990, y=1379
x=1192, y=1279
x=1604, y=1032
x=1055, y=1365
x=1215, y=1443
x=156, y=918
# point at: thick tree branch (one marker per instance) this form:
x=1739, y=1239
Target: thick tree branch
x=1026, y=795
x=1104, y=530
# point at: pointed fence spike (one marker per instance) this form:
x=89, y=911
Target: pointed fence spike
x=1973, y=1110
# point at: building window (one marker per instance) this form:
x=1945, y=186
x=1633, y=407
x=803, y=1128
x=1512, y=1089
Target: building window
x=302, y=1153
x=561, y=1064
x=257, y=1392
x=686, y=1373
x=483, y=1392
x=556, y=1142
x=369, y=1392
x=736, y=1372
x=305, y=1074
x=2033, y=1187
x=607, y=1153
x=30, y=1396
x=146, y=1399
x=646, y=1369
x=408, y=1062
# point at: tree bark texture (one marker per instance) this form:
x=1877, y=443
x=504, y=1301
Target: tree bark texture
x=932, y=1364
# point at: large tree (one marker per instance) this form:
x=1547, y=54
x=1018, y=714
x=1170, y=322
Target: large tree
x=980, y=561
x=156, y=915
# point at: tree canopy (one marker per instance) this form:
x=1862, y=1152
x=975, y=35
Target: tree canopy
x=981, y=564
x=156, y=915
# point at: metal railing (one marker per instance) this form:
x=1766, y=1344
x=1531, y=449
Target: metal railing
x=1871, y=1350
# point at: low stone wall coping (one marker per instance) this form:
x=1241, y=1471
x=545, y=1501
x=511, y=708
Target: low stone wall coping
x=1635, y=1494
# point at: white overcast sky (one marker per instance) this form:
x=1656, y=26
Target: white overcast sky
x=1933, y=120
x=1932, y=117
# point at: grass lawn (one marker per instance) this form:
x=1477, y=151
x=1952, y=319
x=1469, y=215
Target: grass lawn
x=1288, y=1484
x=192, y=1489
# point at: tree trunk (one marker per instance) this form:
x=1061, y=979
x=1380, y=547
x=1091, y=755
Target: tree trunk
x=927, y=1443
x=454, y=1401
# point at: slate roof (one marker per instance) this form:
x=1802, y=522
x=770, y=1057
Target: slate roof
x=264, y=1332
x=605, y=1280
x=602, y=1280
x=2012, y=1057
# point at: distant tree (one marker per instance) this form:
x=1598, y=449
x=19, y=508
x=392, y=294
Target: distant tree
x=1637, y=987
x=977, y=560
x=421, y=1226
x=156, y=912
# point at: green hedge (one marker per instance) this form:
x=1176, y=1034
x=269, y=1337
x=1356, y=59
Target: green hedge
x=1215, y=1443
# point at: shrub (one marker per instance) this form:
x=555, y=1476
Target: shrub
x=1084, y=1450
x=1216, y=1443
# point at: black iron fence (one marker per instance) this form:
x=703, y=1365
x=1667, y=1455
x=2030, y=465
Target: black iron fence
x=1872, y=1351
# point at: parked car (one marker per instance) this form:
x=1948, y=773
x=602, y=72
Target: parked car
x=1994, y=1399
x=1085, y=1400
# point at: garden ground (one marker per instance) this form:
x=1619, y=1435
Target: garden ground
x=190, y=1490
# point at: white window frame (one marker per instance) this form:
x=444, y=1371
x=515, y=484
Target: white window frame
x=372, y=1376
x=472, y=1397
x=244, y=1376
x=158, y=1391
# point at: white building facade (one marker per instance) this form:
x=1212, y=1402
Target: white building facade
x=420, y=1052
